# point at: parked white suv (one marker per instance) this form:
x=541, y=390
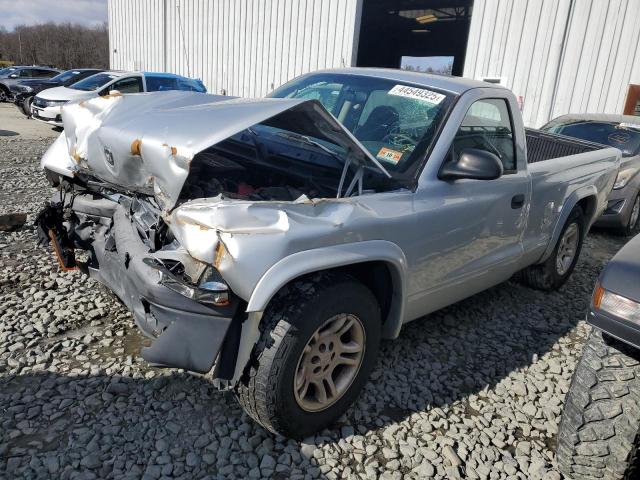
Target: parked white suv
x=47, y=105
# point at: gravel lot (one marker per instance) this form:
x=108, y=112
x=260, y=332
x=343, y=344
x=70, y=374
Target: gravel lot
x=474, y=391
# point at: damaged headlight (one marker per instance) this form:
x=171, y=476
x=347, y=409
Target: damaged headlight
x=211, y=289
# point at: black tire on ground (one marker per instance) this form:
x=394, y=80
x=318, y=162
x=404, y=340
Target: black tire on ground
x=26, y=106
x=599, y=430
x=545, y=276
x=266, y=390
x=631, y=228
x=4, y=94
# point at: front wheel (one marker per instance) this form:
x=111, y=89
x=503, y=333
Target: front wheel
x=633, y=225
x=600, y=426
x=555, y=270
x=319, y=342
x=26, y=106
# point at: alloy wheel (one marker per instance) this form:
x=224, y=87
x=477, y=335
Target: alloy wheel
x=329, y=362
x=567, y=249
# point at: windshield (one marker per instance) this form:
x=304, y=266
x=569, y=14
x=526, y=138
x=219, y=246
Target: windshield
x=94, y=82
x=624, y=137
x=397, y=123
x=6, y=71
x=64, y=77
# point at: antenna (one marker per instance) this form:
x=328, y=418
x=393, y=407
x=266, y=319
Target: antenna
x=184, y=43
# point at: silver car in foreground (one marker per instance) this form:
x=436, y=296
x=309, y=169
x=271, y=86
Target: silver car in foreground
x=623, y=132
x=275, y=241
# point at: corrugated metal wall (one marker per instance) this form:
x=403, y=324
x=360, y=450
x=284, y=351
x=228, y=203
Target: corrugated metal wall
x=562, y=56
x=245, y=47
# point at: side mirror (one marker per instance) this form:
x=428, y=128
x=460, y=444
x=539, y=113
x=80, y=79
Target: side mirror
x=13, y=75
x=473, y=164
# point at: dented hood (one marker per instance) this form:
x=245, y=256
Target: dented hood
x=146, y=142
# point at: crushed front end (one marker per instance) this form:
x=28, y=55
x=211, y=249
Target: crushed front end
x=181, y=303
x=182, y=202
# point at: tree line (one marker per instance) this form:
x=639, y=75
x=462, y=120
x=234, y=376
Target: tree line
x=63, y=45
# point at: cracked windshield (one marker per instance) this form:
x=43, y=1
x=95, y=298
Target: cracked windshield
x=397, y=123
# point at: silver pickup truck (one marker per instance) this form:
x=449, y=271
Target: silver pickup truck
x=274, y=242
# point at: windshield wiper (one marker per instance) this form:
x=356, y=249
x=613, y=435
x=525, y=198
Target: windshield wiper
x=358, y=176
x=307, y=141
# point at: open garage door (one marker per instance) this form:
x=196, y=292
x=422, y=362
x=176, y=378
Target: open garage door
x=425, y=35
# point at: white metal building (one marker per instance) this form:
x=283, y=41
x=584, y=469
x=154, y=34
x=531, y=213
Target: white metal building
x=560, y=56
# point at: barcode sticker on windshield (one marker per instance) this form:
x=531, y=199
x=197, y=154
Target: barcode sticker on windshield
x=417, y=93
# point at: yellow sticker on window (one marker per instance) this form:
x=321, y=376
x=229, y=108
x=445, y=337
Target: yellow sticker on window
x=389, y=155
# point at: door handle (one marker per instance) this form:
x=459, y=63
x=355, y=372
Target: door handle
x=517, y=201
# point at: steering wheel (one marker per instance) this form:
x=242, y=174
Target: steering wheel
x=399, y=139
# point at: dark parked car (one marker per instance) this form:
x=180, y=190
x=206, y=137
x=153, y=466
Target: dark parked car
x=24, y=91
x=12, y=75
x=623, y=132
x=599, y=434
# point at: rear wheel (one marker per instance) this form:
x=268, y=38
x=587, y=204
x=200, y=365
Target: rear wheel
x=555, y=270
x=319, y=342
x=600, y=426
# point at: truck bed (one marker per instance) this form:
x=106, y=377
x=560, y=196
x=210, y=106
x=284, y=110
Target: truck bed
x=546, y=146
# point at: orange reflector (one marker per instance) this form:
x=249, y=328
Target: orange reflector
x=598, y=293
x=220, y=251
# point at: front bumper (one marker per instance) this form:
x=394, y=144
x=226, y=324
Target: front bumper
x=622, y=330
x=186, y=334
x=50, y=115
x=618, y=211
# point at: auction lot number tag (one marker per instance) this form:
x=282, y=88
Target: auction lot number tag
x=417, y=94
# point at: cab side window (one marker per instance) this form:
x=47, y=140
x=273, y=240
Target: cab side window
x=26, y=73
x=487, y=126
x=128, y=85
x=42, y=73
x=159, y=84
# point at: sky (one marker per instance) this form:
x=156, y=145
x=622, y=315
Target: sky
x=29, y=12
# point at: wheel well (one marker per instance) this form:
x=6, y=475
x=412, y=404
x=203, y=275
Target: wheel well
x=588, y=205
x=375, y=275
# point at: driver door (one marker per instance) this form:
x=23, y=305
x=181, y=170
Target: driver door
x=472, y=229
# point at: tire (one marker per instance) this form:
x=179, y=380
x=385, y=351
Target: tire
x=4, y=94
x=633, y=224
x=546, y=276
x=266, y=390
x=599, y=431
x=26, y=106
